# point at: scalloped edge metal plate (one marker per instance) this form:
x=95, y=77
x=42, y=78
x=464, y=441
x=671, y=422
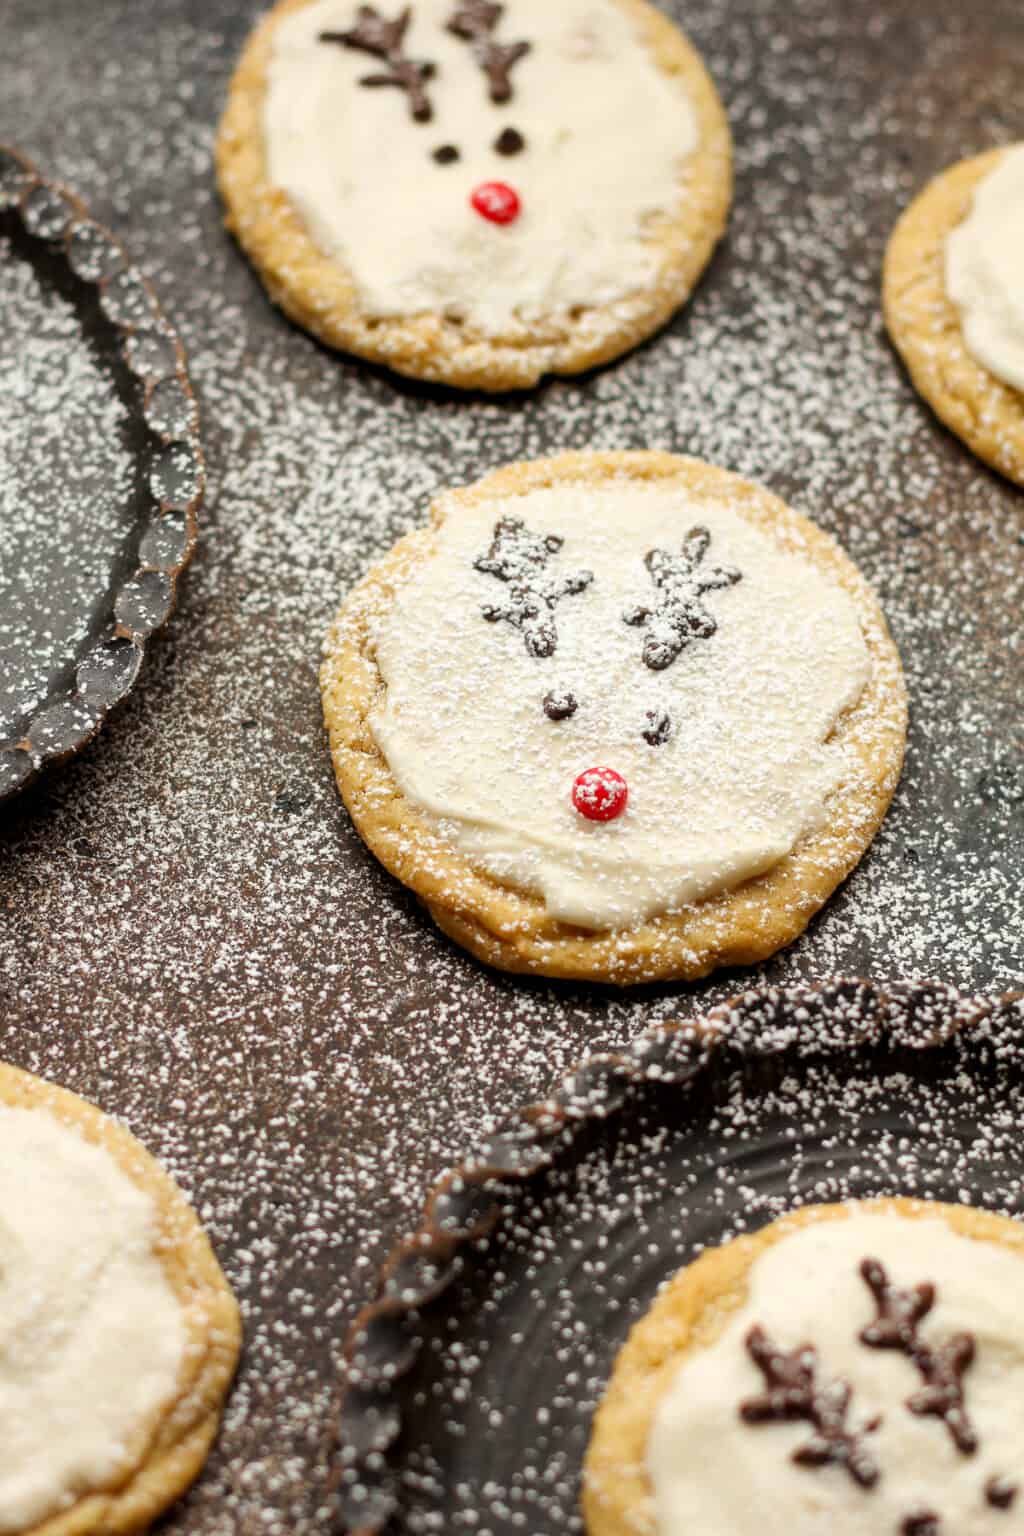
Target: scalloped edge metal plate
x=153, y=352
x=469, y=1200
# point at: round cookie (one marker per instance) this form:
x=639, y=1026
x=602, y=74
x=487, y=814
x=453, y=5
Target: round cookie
x=851, y=1368
x=927, y=326
x=480, y=225
x=640, y=613
x=119, y=1335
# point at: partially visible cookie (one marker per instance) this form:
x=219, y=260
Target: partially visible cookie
x=119, y=1335
x=618, y=717
x=475, y=193
x=851, y=1368
x=954, y=302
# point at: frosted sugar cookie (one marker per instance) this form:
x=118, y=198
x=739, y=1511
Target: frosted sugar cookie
x=475, y=193
x=852, y=1368
x=616, y=716
x=954, y=302
x=118, y=1333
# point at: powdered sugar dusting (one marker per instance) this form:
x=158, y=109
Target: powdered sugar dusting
x=752, y=686
x=488, y=1439
x=190, y=932
x=63, y=490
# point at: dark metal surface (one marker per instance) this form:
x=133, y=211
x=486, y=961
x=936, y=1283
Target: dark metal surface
x=94, y=602
x=191, y=934
x=437, y=1374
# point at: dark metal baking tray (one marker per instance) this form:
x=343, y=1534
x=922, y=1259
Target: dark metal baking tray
x=190, y=932
x=474, y=1375
x=102, y=472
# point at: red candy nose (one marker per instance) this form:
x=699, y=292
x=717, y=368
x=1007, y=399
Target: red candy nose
x=497, y=201
x=600, y=794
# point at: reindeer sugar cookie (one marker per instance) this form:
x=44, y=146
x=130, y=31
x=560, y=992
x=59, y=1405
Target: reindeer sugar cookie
x=851, y=1368
x=119, y=1335
x=472, y=192
x=954, y=302
x=616, y=716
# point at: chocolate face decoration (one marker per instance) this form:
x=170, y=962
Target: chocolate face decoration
x=942, y=1369
x=923, y=1522
x=560, y=706
x=679, y=617
x=658, y=729
x=475, y=22
x=520, y=559
x=509, y=142
x=1000, y=1492
x=464, y=160
x=899, y=1311
x=520, y=596
x=942, y=1396
x=792, y=1391
x=386, y=40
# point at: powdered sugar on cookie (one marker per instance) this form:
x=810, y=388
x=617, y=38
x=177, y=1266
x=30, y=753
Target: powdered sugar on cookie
x=390, y=141
x=82, y=1293
x=985, y=270
x=882, y=1406
x=708, y=665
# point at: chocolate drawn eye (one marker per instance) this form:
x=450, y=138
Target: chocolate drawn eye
x=510, y=142
x=560, y=706
x=658, y=729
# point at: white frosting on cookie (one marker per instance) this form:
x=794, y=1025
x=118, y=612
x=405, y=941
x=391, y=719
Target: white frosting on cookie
x=747, y=768
x=713, y=1473
x=985, y=270
x=91, y=1334
x=607, y=135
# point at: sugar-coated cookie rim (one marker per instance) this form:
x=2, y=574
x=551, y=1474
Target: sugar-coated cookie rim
x=689, y=1315
x=478, y=1195
x=924, y=323
x=167, y=1459
x=513, y=931
x=318, y=293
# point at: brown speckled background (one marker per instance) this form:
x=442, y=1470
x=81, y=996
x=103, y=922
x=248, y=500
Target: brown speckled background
x=191, y=934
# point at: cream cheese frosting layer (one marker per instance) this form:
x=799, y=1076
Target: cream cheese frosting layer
x=712, y=1472
x=606, y=132
x=91, y=1334
x=747, y=766
x=985, y=270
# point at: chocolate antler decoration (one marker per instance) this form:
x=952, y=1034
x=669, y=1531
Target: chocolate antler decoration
x=679, y=616
x=519, y=557
x=475, y=21
x=943, y=1392
x=895, y=1327
x=791, y=1392
x=899, y=1312
x=923, y=1522
x=385, y=40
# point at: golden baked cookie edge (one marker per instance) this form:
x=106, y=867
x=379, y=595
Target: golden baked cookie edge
x=513, y=931
x=318, y=294
x=168, y=1460
x=924, y=323
x=690, y=1312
